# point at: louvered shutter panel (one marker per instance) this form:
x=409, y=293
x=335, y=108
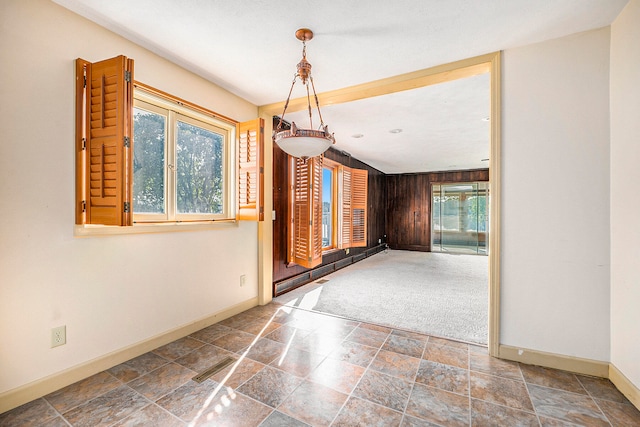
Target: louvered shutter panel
x=251, y=171
x=358, y=207
x=344, y=206
x=305, y=212
x=107, y=129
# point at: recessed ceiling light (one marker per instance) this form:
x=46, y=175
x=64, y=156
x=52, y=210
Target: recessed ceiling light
x=395, y=131
x=357, y=135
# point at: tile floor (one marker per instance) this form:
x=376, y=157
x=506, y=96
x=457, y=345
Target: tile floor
x=298, y=368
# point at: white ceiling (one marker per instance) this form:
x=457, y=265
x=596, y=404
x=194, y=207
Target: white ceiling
x=249, y=48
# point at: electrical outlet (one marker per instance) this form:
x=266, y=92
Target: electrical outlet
x=58, y=336
x=243, y=280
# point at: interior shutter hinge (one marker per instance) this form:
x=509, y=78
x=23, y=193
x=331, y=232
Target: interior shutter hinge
x=84, y=206
x=127, y=76
x=85, y=80
x=84, y=144
x=127, y=207
x=127, y=142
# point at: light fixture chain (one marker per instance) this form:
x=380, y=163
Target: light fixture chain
x=309, y=107
x=286, y=104
x=313, y=86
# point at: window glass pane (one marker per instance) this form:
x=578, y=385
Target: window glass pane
x=148, y=161
x=327, y=207
x=199, y=170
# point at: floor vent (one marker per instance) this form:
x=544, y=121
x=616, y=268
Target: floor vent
x=321, y=281
x=214, y=369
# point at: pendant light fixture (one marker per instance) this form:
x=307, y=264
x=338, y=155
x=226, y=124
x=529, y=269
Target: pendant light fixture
x=298, y=142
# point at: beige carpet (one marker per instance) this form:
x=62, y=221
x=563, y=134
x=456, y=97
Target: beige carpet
x=433, y=293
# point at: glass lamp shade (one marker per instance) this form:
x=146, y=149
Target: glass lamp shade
x=304, y=143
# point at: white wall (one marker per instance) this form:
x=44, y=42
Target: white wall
x=555, y=196
x=110, y=292
x=625, y=198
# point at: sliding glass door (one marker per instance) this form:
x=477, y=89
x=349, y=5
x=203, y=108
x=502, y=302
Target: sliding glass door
x=460, y=217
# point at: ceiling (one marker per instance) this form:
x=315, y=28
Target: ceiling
x=248, y=47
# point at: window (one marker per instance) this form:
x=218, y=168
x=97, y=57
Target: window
x=180, y=159
x=157, y=158
x=310, y=209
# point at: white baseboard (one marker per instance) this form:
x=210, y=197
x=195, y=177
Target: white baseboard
x=578, y=365
x=625, y=386
x=36, y=389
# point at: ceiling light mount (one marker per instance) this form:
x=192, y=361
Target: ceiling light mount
x=297, y=142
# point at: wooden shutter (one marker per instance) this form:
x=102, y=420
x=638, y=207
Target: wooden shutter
x=358, y=207
x=104, y=107
x=305, y=212
x=344, y=207
x=352, y=207
x=251, y=171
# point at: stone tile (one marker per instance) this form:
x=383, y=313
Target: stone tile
x=234, y=409
x=187, y=401
x=278, y=419
x=552, y=422
x=620, y=414
x=106, y=409
x=161, y=381
x=338, y=328
x=297, y=362
x=395, y=364
x=151, y=415
x=338, y=375
x=358, y=412
x=75, y=394
x=485, y=414
x=34, y=413
x=602, y=388
x=378, y=328
x=444, y=377
x=238, y=320
x=237, y=373
x=203, y=358
x=235, y=341
x=288, y=335
x=265, y=351
x=306, y=320
x=552, y=378
x=478, y=349
x=449, y=343
x=384, y=390
x=355, y=353
x=178, y=348
x=260, y=327
x=369, y=337
x=314, y=404
x=446, y=354
x=566, y=406
x=266, y=310
x=319, y=343
x=404, y=345
x=438, y=406
x=493, y=366
x=502, y=391
x=408, y=334
x=211, y=333
x=270, y=386
x=409, y=421
x=136, y=367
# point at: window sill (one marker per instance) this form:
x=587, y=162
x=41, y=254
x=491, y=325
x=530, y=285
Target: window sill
x=89, y=230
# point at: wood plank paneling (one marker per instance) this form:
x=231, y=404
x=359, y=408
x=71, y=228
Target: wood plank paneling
x=408, y=205
x=376, y=204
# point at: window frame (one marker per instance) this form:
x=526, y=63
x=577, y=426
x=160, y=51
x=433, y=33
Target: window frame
x=335, y=171
x=177, y=111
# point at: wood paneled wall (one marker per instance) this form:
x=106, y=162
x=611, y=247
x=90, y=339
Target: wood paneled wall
x=376, y=220
x=408, y=206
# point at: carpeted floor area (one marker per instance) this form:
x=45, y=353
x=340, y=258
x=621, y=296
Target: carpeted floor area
x=437, y=294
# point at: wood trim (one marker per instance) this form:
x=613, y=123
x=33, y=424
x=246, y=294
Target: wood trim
x=18, y=396
x=83, y=73
x=578, y=365
x=495, y=219
x=177, y=100
x=426, y=77
x=626, y=387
